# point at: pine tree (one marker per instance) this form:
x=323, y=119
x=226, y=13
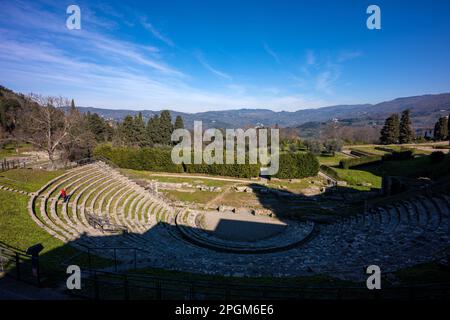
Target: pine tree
x=406, y=132
x=127, y=131
x=97, y=126
x=441, y=129
x=140, y=134
x=72, y=104
x=153, y=136
x=391, y=130
x=179, y=123
x=165, y=127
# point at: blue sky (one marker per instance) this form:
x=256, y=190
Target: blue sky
x=195, y=56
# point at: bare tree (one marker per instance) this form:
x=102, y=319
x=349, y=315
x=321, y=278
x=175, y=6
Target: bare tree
x=45, y=125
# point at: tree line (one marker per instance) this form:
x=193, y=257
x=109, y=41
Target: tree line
x=398, y=129
x=54, y=125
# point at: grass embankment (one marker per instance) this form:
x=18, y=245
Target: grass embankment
x=19, y=231
x=373, y=173
x=29, y=180
x=211, y=181
x=332, y=160
x=12, y=150
x=357, y=178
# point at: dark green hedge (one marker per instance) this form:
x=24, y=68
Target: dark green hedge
x=292, y=165
x=159, y=159
x=151, y=159
x=349, y=163
x=231, y=170
x=297, y=165
x=399, y=155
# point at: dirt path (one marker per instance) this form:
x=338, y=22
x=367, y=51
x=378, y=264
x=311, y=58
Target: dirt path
x=174, y=175
x=11, y=289
x=220, y=196
x=393, y=145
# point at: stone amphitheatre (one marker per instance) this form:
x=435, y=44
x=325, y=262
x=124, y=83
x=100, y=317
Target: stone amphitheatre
x=108, y=210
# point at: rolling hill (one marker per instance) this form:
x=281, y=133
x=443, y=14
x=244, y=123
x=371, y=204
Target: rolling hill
x=425, y=110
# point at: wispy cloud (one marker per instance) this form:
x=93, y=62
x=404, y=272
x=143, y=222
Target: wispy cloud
x=310, y=58
x=271, y=52
x=156, y=33
x=97, y=68
x=207, y=66
x=347, y=55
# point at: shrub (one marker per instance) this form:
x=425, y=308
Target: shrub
x=159, y=159
x=297, y=165
x=389, y=150
x=151, y=159
x=292, y=165
x=349, y=163
x=437, y=156
x=399, y=155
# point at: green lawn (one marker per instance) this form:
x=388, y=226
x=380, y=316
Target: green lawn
x=136, y=174
x=371, y=150
x=9, y=150
x=356, y=177
x=29, y=180
x=19, y=231
x=196, y=196
x=421, y=166
x=332, y=160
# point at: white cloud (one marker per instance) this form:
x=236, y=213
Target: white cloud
x=208, y=67
x=37, y=53
x=156, y=33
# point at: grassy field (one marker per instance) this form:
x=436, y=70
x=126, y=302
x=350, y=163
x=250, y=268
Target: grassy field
x=421, y=166
x=200, y=197
x=9, y=150
x=332, y=160
x=357, y=177
x=18, y=230
x=161, y=177
x=29, y=180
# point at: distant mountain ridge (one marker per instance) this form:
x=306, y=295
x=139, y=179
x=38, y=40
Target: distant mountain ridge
x=425, y=110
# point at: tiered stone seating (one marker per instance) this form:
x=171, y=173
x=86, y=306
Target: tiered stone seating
x=403, y=234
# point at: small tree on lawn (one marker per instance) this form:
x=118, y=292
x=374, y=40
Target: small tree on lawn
x=406, y=131
x=390, y=131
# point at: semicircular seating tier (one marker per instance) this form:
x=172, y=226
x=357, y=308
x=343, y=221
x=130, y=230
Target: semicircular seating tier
x=108, y=210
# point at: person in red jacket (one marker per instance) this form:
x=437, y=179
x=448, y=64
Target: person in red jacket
x=64, y=194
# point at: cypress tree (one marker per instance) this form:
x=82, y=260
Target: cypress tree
x=406, y=132
x=97, y=126
x=153, y=130
x=127, y=131
x=390, y=132
x=140, y=135
x=179, y=123
x=165, y=127
x=441, y=129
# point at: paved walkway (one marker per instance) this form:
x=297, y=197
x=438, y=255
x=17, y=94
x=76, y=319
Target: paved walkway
x=11, y=289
